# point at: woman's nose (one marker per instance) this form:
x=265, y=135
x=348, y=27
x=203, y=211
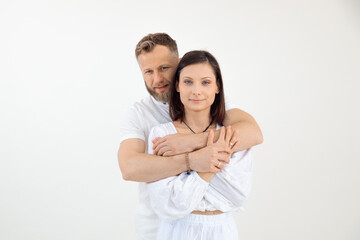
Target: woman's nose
x=196, y=90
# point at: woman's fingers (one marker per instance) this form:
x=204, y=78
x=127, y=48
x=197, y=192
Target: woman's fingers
x=228, y=135
x=234, y=139
x=162, y=150
x=157, y=141
x=234, y=147
x=210, y=140
x=222, y=134
x=159, y=147
x=215, y=169
x=224, y=157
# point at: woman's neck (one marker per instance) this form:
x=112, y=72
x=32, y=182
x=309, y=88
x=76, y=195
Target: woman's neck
x=197, y=121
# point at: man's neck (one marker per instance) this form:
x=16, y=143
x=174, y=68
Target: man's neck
x=158, y=101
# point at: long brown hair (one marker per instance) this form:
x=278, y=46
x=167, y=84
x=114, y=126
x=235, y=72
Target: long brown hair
x=176, y=108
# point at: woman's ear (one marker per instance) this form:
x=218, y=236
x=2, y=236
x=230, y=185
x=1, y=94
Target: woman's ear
x=177, y=87
x=217, y=88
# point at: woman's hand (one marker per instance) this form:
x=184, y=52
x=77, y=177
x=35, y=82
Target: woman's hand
x=214, y=156
x=227, y=139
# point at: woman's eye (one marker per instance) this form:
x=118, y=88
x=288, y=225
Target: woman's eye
x=206, y=82
x=187, y=81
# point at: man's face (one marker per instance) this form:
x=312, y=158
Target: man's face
x=158, y=68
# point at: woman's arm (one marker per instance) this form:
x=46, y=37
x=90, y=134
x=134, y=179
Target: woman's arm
x=229, y=189
x=177, y=196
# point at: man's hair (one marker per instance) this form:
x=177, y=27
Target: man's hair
x=176, y=107
x=147, y=43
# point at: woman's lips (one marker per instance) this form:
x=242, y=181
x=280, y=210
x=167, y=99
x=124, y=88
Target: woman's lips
x=196, y=100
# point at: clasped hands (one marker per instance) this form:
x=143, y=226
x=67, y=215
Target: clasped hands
x=210, y=158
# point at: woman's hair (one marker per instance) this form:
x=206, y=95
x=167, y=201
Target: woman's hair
x=176, y=108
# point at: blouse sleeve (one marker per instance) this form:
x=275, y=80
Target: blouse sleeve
x=177, y=196
x=229, y=189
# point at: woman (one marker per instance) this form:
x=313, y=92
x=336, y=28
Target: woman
x=197, y=205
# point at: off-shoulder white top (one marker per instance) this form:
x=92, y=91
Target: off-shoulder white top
x=175, y=197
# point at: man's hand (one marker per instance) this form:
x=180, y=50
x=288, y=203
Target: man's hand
x=174, y=144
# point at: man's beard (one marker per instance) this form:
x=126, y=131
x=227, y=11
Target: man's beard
x=162, y=98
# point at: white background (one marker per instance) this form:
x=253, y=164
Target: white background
x=67, y=71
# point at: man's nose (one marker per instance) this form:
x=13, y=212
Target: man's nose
x=157, y=77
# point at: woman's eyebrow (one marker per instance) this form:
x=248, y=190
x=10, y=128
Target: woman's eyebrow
x=207, y=77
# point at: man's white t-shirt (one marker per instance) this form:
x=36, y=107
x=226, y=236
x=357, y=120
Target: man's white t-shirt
x=137, y=122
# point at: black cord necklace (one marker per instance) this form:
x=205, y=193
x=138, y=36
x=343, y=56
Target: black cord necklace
x=202, y=131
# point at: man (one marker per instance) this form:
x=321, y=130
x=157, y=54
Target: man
x=157, y=56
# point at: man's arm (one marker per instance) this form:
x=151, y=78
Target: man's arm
x=137, y=166
x=246, y=131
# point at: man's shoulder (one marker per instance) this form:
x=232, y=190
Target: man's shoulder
x=142, y=103
x=148, y=103
x=136, y=109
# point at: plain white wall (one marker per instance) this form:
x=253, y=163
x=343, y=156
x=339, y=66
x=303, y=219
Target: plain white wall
x=67, y=71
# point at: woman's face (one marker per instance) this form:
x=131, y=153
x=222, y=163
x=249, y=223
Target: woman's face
x=197, y=86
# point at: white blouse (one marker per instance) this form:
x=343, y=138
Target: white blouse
x=175, y=197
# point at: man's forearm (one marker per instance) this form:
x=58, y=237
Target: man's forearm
x=141, y=167
x=135, y=165
x=249, y=133
x=248, y=136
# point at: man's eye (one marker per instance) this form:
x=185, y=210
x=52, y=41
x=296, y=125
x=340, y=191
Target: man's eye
x=164, y=68
x=148, y=71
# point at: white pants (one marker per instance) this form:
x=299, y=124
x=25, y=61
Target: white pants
x=199, y=227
